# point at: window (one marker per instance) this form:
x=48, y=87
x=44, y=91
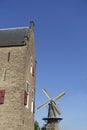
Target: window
x=32, y=70
x=32, y=67
x=2, y=95
x=33, y=102
x=26, y=94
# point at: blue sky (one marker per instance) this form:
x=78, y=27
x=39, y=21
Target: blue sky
x=61, y=53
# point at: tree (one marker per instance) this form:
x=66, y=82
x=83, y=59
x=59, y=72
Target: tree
x=36, y=126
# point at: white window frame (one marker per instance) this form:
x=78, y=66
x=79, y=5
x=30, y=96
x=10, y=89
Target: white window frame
x=33, y=101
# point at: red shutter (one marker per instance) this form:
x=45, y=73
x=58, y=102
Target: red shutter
x=25, y=98
x=2, y=95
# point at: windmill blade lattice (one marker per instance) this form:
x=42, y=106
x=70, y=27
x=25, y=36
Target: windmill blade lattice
x=52, y=103
x=46, y=93
x=56, y=109
x=43, y=105
x=59, y=96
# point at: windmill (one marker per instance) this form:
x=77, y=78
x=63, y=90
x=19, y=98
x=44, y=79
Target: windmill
x=53, y=110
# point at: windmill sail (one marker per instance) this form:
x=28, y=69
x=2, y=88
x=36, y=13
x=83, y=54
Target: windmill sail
x=46, y=93
x=53, y=108
x=43, y=105
x=56, y=108
x=59, y=96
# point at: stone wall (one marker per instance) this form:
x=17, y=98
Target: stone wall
x=16, y=65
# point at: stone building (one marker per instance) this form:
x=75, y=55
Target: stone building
x=17, y=78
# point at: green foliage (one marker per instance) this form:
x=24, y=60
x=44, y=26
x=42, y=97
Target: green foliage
x=36, y=126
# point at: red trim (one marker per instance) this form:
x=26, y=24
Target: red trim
x=2, y=95
x=25, y=98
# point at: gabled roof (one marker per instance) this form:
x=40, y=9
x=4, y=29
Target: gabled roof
x=13, y=36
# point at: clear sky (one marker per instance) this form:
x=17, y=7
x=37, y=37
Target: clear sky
x=61, y=53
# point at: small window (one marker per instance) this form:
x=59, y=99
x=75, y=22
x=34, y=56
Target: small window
x=32, y=66
x=2, y=95
x=32, y=106
x=32, y=70
x=33, y=102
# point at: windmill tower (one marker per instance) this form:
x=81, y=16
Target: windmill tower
x=52, y=120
